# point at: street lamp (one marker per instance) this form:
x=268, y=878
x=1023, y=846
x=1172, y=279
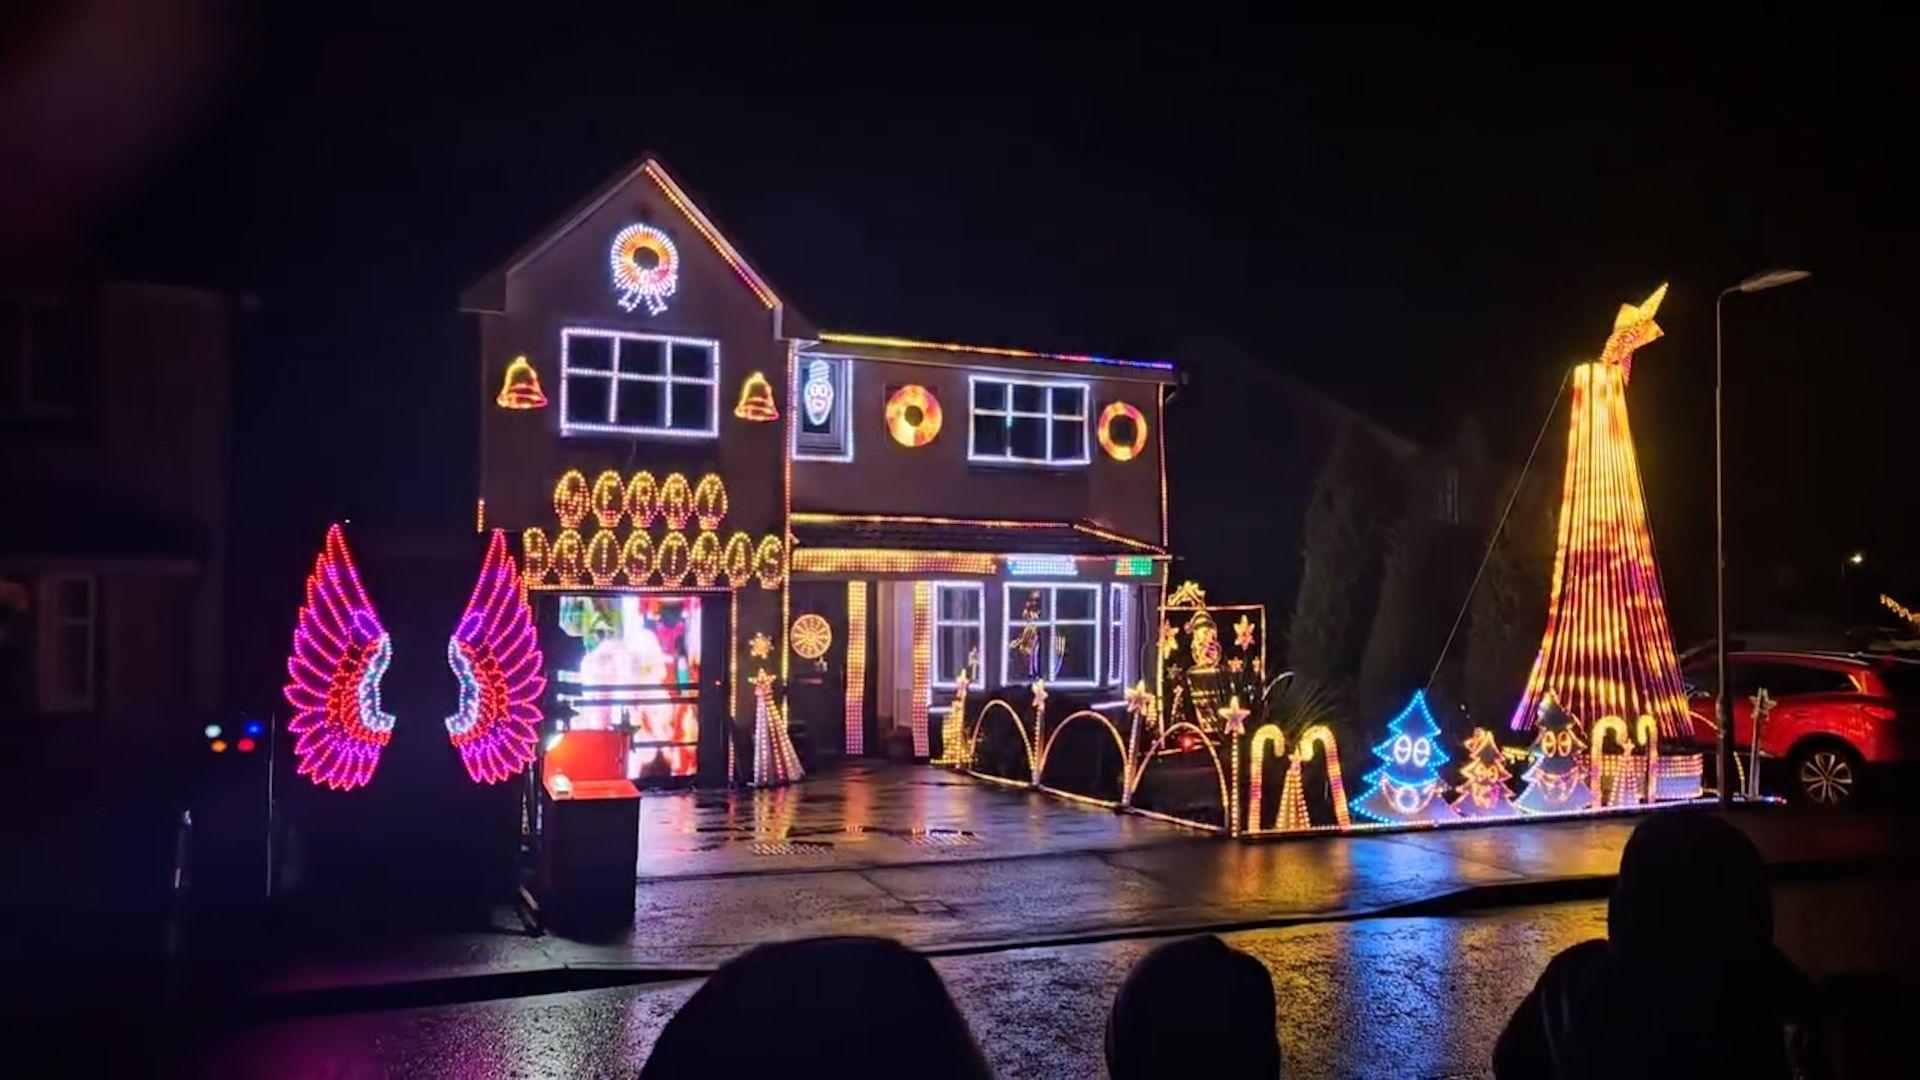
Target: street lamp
x=1722, y=708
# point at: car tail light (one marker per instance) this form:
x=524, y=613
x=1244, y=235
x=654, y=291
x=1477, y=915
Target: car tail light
x=1878, y=712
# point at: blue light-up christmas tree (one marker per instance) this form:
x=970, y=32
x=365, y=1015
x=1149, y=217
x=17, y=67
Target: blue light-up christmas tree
x=1406, y=785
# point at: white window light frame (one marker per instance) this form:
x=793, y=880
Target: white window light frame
x=978, y=623
x=843, y=400
x=1009, y=620
x=1048, y=417
x=1119, y=604
x=53, y=697
x=667, y=379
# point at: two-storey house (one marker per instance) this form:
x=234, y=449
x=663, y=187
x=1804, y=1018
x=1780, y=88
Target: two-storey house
x=709, y=490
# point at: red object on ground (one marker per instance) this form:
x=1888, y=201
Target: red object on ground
x=1833, y=713
x=584, y=756
x=588, y=790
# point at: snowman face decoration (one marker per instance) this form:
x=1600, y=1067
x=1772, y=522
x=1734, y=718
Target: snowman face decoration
x=816, y=396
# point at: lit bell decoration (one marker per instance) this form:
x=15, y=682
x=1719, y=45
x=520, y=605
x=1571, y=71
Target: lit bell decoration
x=521, y=387
x=756, y=400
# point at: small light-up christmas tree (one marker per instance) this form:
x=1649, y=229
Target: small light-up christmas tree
x=1483, y=787
x=1406, y=784
x=774, y=760
x=1557, y=779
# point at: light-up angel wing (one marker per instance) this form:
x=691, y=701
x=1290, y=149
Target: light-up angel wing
x=494, y=654
x=340, y=653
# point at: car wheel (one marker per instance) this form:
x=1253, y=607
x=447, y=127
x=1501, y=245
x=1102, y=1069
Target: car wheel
x=1826, y=775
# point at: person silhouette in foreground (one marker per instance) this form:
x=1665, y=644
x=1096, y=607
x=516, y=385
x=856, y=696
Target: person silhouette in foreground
x=841, y=1007
x=1194, y=1007
x=1688, y=981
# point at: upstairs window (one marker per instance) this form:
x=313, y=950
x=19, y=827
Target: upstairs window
x=1028, y=422
x=613, y=383
x=42, y=361
x=69, y=610
x=821, y=394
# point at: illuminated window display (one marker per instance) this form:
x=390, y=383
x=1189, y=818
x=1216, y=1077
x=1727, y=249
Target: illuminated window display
x=959, y=629
x=1053, y=633
x=636, y=668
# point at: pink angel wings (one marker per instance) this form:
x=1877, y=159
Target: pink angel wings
x=494, y=654
x=340, y=653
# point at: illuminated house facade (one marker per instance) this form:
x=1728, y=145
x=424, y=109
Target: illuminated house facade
x=706, y=487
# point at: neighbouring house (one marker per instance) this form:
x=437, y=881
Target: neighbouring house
x=710, y=494
x=114, y=445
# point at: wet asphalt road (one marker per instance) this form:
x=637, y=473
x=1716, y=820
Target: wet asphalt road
x=1395, y=997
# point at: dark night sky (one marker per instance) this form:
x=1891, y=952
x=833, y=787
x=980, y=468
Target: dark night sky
x=1426, y=221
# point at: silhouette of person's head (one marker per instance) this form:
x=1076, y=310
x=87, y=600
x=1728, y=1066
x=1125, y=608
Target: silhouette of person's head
x=1689, y=882
x=1193, y=1006
x=843, y=1007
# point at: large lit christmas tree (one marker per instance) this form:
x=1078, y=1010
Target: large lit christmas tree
x=1607, y=650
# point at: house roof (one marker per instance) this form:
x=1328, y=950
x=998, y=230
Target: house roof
x=886, y=532
x=489, y=294
x=911, y=349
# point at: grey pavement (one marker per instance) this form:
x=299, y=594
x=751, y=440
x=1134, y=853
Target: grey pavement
x=1377, y=997
x=1016, y=885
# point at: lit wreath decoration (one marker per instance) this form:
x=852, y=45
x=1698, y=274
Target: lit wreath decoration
x=913, y=416
x=638, y=284
x=1115, y=449
x=812, y=635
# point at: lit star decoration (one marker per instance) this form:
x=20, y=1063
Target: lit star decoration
x=340, y=653
x=496, y=657
x=1235, y=664
x=1607, y=649
x=1762, y=703
x=1039, y=689
x=759, y=646
x=1235, y=715
x=1243, y=633
x=1169, y=640
x=636, y=284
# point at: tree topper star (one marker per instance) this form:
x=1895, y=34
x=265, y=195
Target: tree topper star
x=1235, y=715
x=762, y=682
x=760, y=646
x=1039, y=696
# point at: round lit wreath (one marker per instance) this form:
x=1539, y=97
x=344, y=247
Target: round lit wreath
x=913, y=416
x=1117, y=450
x=639, y=284
x=811, y=634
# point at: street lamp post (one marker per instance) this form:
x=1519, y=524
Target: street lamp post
x=1722, y=705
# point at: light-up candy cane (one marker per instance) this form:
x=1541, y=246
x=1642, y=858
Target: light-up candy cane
x=1268, y=735
x=1319, y=735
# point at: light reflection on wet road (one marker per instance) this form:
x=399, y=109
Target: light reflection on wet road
x=1375, y=998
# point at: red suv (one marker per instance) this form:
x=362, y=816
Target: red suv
x=1834, y=714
